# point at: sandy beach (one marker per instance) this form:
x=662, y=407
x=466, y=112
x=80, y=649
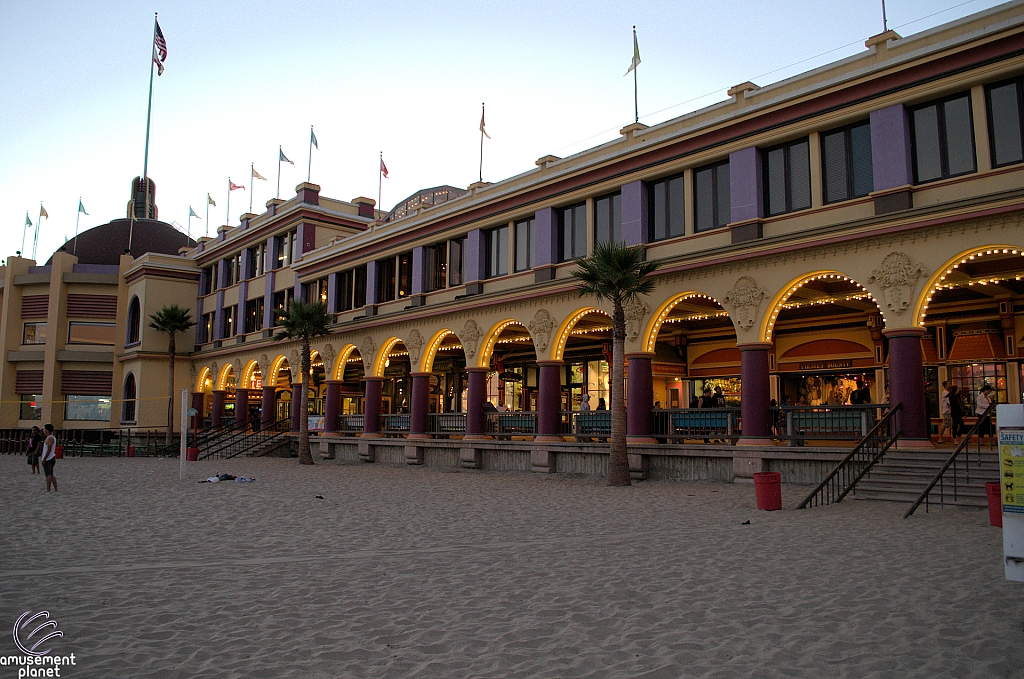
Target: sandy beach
x=414, y=572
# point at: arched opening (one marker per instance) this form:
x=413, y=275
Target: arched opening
x=128, y=403
x=967, y=311
x=134, y=322
x=444, y=357
x=316, y=388
x=694, y=345
x=584, y=345
x=226, y=383
x=348, y=369
x=827, y=331
x=512, y=378
x=394, y=366
x=252, y=380
x=281, y=376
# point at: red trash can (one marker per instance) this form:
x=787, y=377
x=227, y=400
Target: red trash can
x=130, y=451
x=768, y=487
x=58, y=452
x=191, y=454
x=995, y=503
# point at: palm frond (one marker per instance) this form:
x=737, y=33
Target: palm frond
x=303, y=320
x=615, y=272
x=171, y=319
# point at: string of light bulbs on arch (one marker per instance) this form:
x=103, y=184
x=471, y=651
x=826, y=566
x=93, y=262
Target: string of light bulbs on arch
x=818, y=277
x=939, y=285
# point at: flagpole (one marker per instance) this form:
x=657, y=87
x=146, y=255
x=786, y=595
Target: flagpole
x=481, y=143
x=35, y=241
x=24, y=232
x=149, y=111
x=309, y=168
x=78, y=214
x=227, y=219
x=278, y=195
x=636, y=105
x=252, y=171
x=885, y=21
x=207, y=215
x=380, y=182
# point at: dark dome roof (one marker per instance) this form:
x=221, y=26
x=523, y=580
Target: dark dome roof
x=106, y=243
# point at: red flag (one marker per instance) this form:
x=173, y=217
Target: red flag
x=232, y=186
x=383, y=168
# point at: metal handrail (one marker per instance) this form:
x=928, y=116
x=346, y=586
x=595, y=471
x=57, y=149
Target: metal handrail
x=796, y=424
x=679, y=424
x=951, y=462
x=867, y=453
x=237, y=443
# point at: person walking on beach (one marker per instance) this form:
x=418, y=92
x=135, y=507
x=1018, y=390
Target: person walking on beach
x=34, y=441
x=49, y=457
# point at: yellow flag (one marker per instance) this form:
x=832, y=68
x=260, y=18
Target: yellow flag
x=42, y=211
x=257, y=175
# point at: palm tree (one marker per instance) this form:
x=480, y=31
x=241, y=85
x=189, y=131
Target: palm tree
x=618, y=274
x=303, y=321
x=171, y=319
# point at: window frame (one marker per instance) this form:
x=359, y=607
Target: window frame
x=611, y=198
x=24, y=333
x=435, y=266
x=939, y=105
x=715, y=207
x=846, y=131
x=530, y=226
x=786, y=148
x=576, y=229
x=113, y=333
x=457, y=272
x=133, y=324
x=651, y=187
x=86, y=400
x=1019, y=82
x=129, y=410
x=257, y=304
x=495, y=265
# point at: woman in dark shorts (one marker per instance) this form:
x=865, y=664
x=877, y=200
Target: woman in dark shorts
x=49, y=457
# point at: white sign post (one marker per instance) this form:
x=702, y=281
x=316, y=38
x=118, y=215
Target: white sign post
x=184, y=433
x=1010, y=419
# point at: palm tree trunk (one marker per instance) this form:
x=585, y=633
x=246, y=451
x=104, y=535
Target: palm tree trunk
x=305, y=457
x=170, y=387
x=618, y=460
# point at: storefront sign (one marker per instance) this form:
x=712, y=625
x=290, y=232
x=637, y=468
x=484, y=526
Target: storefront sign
x=1011, y=469
x=316, y=423
x=828, y=365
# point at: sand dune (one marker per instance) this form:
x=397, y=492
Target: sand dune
x=412, y=572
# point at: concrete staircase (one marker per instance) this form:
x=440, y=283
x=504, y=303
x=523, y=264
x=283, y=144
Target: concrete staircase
x=275, y=447
x=904, y=474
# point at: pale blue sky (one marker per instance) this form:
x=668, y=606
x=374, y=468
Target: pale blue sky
x=404, y=78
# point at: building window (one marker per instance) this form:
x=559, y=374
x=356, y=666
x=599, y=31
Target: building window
x=496, y=247
x=31, y=407
x=207, y=283
x=666, y=208
x=254, y=315
x=524, y=244
x=572, y=232
x=316, y=291
x=359, y=287
x=206, y=328
x=128, y=399
x=846, y=163
x=90, y=333
x=435, y=265
x=405, y=274
x=282, y=300
x=943, y=137
x=787, y=177
x=286, y=246
x=456, y=261
x=134, y=321
x=712, y=206
x=35, y=333
x=971, y=378
x=229, y=270
x=230, y=317
x=257, y=258
x=1006, y=123
x=386, y=279
x=89, y=408
x=608, y=219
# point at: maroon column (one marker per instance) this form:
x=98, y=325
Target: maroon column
x=332, y=405
x=420, y=406
x=268, y=407
x=217, y=413
x=476, y=394
x=296, y=405
x=549, y=396
x=640, y=398
x=371, y=406
x=755, y=393
x=241, y=408
x=199, y=405
x=906, y=383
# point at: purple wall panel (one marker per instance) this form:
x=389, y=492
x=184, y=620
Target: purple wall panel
x=475, y=262
x=890, y=148
x=418, y=270
x=634, y=213
x=745, y=187
x=546, y=237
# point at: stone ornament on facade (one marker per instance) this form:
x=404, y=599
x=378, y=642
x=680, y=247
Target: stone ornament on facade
x=264, y=364
x=214, y=373
x=540, y=329
x=635, y=312
x=238, y=372
x=745, y=299
x=469, y=336
x=366, y=351
x=897, y=277
x=328, y=354
x=414, y=344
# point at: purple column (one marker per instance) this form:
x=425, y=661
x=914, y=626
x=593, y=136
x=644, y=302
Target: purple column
x=549, y=397
x=241, y=408
x=371, y=282
x=640, y=398
x=268, y=407
x=906, y=383
x=332, y=405
x=475, y=261
x=420, y=405
x=371, y=406
x=755, y=392
x=476, y=394
x=891, y=164
x=217, y=412
x=218, y=319
x=199, y=319
x=745, y=187
x=332, y=293
x=297, y=413
x=418, y=270
x=199, y=405
x=545, y=241
x=268, y=299
x=634, y=213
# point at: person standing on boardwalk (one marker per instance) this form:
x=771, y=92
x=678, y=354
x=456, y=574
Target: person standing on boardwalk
x=34, y=441
x=946, y=412
x=49, y=457
x=956, y=412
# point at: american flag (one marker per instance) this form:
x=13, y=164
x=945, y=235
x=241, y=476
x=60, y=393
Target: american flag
x=159, y=49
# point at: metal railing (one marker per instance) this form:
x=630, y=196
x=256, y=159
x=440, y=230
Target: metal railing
x=395, y=425
x=446, y=424
x=235, y=443
x=708, y=424
x=865, y=455
x=797, y=424
x=350, y=424
x=953, y=463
